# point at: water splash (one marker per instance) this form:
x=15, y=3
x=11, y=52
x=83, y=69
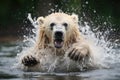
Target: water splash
x=30, y=40
x=106, y=52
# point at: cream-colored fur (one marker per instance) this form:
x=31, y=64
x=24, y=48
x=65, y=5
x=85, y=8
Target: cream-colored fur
x=75, y=48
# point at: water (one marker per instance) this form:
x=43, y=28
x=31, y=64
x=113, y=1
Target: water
x=8, y=52
x=109, y=56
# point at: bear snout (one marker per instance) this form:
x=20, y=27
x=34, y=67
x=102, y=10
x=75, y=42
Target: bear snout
x=58, y=39
x=58, y=35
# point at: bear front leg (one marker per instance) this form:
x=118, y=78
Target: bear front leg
x=78, y=53
x=29, y=61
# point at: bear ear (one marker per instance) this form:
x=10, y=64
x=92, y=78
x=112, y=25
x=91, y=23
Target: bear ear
x=40, y=20
x=74, y=17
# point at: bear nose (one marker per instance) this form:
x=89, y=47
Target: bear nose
x=58, y=34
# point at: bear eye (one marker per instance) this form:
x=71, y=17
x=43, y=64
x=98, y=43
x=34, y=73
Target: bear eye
x=65, y=24
x=52, y=25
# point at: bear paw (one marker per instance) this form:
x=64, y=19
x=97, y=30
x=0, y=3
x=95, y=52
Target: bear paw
x=29, y=61
x=77, y=54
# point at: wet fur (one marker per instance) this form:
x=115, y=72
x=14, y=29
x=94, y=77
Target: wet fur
x=75, y=47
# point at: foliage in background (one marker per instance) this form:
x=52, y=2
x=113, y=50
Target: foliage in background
x=14, y=11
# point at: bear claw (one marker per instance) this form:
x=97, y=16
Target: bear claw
x=75, y=55
x=29, y=61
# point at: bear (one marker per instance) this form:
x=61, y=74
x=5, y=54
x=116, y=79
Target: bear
x=58, y=38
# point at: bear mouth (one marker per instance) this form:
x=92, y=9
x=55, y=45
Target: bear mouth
x=58, y=43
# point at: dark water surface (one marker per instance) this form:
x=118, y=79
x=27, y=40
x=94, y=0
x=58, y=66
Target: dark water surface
x=8, y=52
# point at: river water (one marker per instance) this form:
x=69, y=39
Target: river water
x=8, y=52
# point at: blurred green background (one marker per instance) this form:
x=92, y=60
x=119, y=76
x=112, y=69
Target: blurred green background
x=14, y=23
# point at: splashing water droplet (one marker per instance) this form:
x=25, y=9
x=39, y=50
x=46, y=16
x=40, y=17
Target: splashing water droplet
x=94, y=11
x=86, y=2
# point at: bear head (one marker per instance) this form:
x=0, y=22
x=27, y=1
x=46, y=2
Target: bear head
x=58, y=29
